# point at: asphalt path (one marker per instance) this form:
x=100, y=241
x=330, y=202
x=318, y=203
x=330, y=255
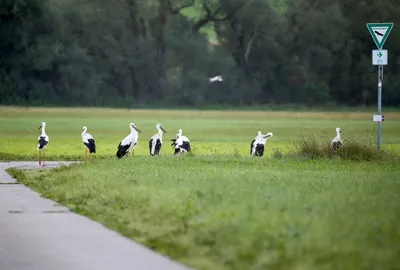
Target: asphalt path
x=38, y=234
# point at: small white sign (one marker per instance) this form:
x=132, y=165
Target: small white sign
x=378, y=118
x=379, y=57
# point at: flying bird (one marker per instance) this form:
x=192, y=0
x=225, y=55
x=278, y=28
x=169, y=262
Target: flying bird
x=43, y=141
x=337, y=142
x=257, y=146
x=216, y=79
x=181, y=144
x=155, y=142
x=88, y=141
x=129, y=142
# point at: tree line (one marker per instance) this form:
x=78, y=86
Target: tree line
x=163, y=52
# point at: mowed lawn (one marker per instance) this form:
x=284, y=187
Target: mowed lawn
x=221, y=208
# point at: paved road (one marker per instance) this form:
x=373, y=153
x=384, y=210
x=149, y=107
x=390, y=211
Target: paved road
x=37, y=234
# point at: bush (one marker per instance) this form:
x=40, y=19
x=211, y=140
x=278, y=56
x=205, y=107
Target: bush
x=353, y=148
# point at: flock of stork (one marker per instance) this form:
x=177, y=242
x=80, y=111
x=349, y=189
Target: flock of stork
x=181, y=143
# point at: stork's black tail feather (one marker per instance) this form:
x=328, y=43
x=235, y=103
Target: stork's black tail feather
x=259, y=150
x=336, y=145
x=122, y=150
x=91, y=145
x=251, y=146
x=157, y=149
x=188, y=147
x=150, y=145
x=42, y=142
x=185, y=145
x=177, y=150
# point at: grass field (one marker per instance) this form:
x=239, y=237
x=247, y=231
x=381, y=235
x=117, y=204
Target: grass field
x=211, y=132
x=220, y=208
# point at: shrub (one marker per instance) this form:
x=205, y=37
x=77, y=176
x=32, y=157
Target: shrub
x=353, y=148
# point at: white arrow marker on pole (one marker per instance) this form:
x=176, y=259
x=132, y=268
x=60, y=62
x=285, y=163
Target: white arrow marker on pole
x=379, y=57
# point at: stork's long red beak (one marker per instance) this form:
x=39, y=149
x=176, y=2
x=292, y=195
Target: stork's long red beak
x=137, y=129
x=163, y=129
x=39, y=127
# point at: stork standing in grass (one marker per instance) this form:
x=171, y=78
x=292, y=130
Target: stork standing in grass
x=43, y=141
x=337, y=142
x=155, y=142
x=88, y=141
x=129, y=142
x=257, y=146
x=181, y=143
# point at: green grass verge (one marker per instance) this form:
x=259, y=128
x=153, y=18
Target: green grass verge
x=229, y=212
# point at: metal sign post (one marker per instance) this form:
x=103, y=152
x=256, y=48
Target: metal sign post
x=380, y=79
x=379, y=33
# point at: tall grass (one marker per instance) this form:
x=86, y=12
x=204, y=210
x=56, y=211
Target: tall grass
x=353, y=148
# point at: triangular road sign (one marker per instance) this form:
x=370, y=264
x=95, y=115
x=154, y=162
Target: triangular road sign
x=379, y=32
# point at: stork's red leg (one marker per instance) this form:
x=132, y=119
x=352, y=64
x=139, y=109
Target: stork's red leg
x=40, y=163
x=85, y=153
x=44, y=157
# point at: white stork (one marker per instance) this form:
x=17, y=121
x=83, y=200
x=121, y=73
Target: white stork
x=88, y=141
x=181, y=143
x=129, y=142
x=155, y=142
x=216, y=79
x=258, y=144
x=43, y=141
x=337, y=142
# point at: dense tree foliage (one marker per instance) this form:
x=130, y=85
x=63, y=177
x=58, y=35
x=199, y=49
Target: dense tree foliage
x=162, y=52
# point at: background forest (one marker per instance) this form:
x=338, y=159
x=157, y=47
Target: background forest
x=163, y=52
